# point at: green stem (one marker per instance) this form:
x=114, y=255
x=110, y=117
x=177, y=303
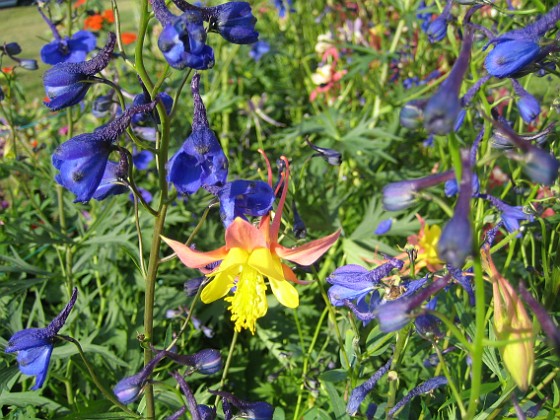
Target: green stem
x=478, y=341
x=450, y=382
x=306, y=361
x=402, y=338
x=227, y=365
x=108, y=394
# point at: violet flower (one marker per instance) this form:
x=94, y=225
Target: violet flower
x=511, y=215
x=200, y=162
x=34, y=346
x=528, y=106
x=129, y=388
x=183, y=38
x=242, y=198
x=66, y=50
x=259, y=49
x=66, y=84
x=247, y=410
x=82, y=160
x=437, y=29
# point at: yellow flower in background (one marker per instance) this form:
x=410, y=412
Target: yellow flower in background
x=427, y=242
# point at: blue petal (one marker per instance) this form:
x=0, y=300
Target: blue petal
x=35, y=362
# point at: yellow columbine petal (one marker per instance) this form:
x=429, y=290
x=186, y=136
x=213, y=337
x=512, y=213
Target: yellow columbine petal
x=235, y=257
x=261, y=260
x=218, y=287
x=286, y=294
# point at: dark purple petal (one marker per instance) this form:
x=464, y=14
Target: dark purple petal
x=359, y=393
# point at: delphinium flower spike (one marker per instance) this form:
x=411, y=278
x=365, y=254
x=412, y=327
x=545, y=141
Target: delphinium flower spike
x=34, y=346
x=455, y=243
x=66, y=84
x=200, y=162
x=183, y=38
x=82, y=160
x=359, y=393
x=250, y=255
x=423, y=388
x=67, y=50
x=443, y=108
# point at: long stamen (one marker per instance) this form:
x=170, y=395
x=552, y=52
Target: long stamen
x=268, y=168
x=275, y=228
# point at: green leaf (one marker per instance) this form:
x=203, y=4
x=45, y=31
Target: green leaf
x=337, y=403
x=335, y=375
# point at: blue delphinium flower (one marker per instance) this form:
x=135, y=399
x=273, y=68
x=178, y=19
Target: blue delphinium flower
x=517, y=49
x=200, y=162
x=423, y=388
x=144, y=98
x=82, y=160
x=259, y=49
x=528, y=106
x=234, y=21
x=112, y=180
x=355, y=282
x=242, y=198
x=331, y=156
x=66, y=84
x=141, y=158
x=67, y=50
x=183, y=38
x=34, y=346
x=205, y=362
x=424, y=17
x=102, y=105
x=427, y=325
x=511, y=215
x=359, y=393
x=248, y=410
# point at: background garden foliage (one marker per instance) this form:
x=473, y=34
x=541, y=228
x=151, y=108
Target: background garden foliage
x=339, y=89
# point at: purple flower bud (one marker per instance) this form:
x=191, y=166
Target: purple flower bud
x=11, y=48
x=206, y=362
x=34, y=346
x=541, y=167
x=529, y=107
x=383, y=227
x=412, y=113
x=129, y=388
x=359, y=393
x=28, y=64
x=332, y=156
x=248, y=410
x=401, y=195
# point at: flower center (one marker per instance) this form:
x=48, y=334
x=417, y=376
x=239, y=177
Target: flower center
x=248, y=302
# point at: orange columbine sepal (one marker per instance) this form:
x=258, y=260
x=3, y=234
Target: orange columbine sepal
x=250, y=255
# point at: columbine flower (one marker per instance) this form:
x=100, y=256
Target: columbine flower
x=200, y=162
x=239, y=198
x=34, y=346
x=183, y=38
x=66, y=84
x=68, y=50
x=249, y=255
x=82, y=160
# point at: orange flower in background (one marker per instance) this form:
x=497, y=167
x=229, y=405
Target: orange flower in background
x=78, y=3
x=93, y=22
x=128, y=38
x=109, y=16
